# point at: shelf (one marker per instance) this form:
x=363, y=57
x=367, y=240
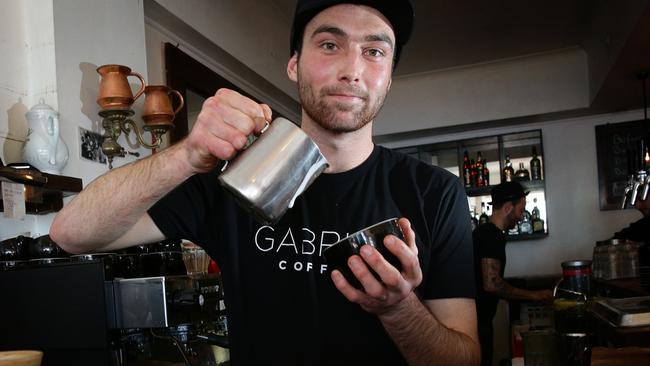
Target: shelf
x=534, y=236
x=529, y=185
x=44, y=192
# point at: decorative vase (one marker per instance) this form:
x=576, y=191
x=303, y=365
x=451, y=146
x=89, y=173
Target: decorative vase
x=44, y=149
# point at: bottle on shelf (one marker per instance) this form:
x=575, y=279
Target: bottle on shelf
x=467, y=174
x=508, y=171
x=526, y=226
x=522, y=173
x=472, y=169
x=486, y=173
x=479, y=182
x=535, y=166
x=538, y=223
x=484, y=217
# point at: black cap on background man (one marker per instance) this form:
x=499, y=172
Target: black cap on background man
x=398, y=12
x=507, y=191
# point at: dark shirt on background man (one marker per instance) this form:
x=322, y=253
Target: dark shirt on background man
x=638, y=231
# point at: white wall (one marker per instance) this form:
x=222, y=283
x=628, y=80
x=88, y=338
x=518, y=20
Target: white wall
x=254, y=32
x=28, y=75
x=535, y=84
x=28, y=69
x=55, y=48
x=89, y=34
x=574, y=217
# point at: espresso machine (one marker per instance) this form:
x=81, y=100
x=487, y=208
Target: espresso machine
x=116, y=309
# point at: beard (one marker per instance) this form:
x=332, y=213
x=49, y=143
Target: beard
x=327, y=116
x=512, y=220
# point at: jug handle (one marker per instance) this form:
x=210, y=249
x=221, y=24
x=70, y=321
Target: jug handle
x=557, y=285
x=142, y=84
x=266, y=127
x=53, y=130
x=180, y=98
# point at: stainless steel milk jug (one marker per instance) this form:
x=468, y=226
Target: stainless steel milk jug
x=268, y=176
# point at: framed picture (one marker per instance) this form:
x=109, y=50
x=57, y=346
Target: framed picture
x=618, y=153
x=91, y=146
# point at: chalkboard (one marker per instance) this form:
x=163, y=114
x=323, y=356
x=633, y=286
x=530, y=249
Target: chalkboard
x=617, y=149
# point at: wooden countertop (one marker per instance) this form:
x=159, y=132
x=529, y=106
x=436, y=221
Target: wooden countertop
x=627, y=356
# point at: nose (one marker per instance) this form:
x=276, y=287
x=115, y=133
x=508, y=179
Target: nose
x=351, y=67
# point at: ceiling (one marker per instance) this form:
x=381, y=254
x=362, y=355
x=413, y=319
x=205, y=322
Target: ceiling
x=452, y=34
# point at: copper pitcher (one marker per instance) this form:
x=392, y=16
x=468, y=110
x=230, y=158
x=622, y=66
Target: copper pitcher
x=114, y=89
x=158, y=108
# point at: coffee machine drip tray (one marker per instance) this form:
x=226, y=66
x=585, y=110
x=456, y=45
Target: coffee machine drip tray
x=626, y=312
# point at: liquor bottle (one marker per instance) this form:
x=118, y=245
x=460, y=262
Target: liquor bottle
x=484, y=217
x=472, y=169
x=508, y=171
x=538, y=223
x=525, y=226
x=467, y=178
x=522, y=173
x=535, y=166
x=486, y=174
x=479, y=170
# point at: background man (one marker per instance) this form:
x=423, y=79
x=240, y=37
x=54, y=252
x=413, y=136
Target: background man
x=508, y=204
x=281, y=307
x=639, y=230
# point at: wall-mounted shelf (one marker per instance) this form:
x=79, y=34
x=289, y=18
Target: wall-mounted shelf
x=493, y=150
x=44, y=192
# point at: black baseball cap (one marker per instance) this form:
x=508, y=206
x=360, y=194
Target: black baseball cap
x=398, y=12
x=507, y=191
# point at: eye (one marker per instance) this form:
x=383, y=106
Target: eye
x=375, y=52
x=328, y=46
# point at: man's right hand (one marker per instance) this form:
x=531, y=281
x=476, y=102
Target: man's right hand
x=545, y=296
x=222, y=128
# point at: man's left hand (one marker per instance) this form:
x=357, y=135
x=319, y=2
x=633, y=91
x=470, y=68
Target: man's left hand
x=382, y=296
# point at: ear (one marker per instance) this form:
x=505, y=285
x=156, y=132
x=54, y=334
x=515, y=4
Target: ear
x=508, y=207
x=292, y=67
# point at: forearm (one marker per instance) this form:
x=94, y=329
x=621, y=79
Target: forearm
x=506, y=291
x=114, y=202
x=423, y=340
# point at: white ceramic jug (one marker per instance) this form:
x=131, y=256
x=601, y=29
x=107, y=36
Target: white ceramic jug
x=44, y=148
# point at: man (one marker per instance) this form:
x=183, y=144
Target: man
x=508, y=204
x=639, y=230
x=283, y=307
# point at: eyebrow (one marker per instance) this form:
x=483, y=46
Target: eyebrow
x=381, y=37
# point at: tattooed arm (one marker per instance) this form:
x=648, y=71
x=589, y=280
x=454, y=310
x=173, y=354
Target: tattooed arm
x=493, y=283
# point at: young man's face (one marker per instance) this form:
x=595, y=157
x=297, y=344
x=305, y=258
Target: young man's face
x=344, y=68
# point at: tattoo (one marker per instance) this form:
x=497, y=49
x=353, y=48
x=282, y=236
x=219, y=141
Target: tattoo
x=492, y=281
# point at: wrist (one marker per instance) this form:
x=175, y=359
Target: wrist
x=397, y=311
x=177, y=159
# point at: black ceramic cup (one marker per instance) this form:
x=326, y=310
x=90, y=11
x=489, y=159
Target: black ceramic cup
x=45, y=247
x=337, y=255
x=15, y=249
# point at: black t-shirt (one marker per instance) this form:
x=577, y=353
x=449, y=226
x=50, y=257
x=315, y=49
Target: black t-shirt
x=282, y=305
x=638, y=231
x=489, y=242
